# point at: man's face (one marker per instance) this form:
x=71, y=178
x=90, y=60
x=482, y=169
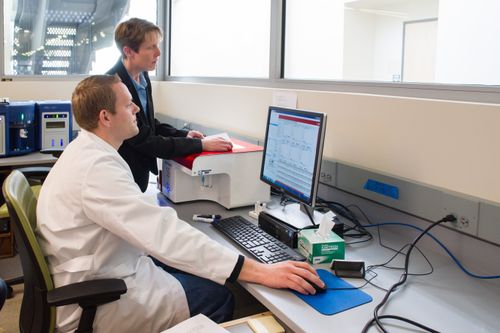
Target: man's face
x=147, y=56
x=124, y=119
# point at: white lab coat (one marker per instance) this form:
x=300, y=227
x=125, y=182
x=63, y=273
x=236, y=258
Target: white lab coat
x=94, y=222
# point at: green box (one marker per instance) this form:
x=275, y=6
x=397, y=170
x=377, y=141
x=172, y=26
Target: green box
x=318, y=249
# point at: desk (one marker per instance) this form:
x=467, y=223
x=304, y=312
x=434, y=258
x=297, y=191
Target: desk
x=447, y=300
x=36, y=158
x=7, y=164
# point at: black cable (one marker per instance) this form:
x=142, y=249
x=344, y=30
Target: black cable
x=404, y=276
x=409, y=321
x=373, y=284
x=400, y=251
x=345, y=212
x=370, y=222
x=311, y=218
x=356, y=288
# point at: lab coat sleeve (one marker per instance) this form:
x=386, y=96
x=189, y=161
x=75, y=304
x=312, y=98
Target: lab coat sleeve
x=111, y=199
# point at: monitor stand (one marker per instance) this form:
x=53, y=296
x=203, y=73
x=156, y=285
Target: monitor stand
x=294, y=215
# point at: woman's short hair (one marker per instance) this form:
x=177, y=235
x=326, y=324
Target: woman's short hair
x=132, y=33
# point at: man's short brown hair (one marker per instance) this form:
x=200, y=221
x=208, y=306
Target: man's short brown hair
x=92, y=95
x=132, y=33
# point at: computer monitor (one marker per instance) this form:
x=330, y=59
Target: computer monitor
x=293, y=150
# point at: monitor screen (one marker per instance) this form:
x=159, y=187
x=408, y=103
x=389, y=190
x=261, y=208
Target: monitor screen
x=292, y=152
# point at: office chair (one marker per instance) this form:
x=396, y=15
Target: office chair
x=40, y=297
x=35, y=176
x=3, y=292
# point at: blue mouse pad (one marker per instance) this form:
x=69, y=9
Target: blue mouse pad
x=335, y=301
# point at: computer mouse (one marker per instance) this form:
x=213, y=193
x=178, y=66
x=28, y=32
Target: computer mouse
x=319, y=290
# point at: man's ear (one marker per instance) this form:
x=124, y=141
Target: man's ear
x=127, y=51
x=104, y=118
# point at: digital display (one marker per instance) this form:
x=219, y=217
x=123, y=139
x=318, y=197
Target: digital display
x=293, y=151
x=55, y=124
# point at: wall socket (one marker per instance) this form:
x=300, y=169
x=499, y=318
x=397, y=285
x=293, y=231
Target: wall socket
x=465, y=209
x=328, y=172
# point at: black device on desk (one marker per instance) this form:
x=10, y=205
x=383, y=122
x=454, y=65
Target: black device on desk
x=276, y=228
x=257, y=242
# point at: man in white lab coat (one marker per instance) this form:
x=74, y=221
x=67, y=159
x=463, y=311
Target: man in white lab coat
x=94, y=222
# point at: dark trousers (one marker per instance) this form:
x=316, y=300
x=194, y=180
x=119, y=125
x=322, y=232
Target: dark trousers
x=203, y=296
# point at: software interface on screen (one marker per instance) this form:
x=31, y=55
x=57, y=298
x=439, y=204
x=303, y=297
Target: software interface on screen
x=293, y=150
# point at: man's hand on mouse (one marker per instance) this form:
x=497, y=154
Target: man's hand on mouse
x=293, y=275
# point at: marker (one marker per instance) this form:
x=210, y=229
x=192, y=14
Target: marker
x=206, y=218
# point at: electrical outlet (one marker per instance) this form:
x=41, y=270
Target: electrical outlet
x=466, y=211
x=462, y=223
x=328, y=172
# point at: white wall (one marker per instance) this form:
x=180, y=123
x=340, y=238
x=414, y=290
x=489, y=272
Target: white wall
x=37, y=90
x=359, y=45
x=452, y=145
x=310, y=55
x=373, y=36
x=420, y=51
x=388, y=46
x=467, y=47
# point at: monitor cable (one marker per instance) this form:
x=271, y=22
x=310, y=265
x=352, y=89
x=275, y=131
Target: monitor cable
x=356, y=231
x=376, y=318
x=452, y=256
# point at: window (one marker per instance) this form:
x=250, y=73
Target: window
x=424, y=41
x=220, y=38
x=64, y=37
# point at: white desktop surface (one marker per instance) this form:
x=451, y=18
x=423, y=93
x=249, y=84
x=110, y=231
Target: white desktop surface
x=447, y=300
x=35, y=158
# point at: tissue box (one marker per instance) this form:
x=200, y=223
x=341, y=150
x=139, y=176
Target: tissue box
x=318, y=249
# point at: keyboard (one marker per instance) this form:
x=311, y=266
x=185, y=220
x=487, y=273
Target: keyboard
x=262, y=246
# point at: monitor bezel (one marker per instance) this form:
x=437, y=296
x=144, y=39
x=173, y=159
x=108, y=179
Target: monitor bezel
x=318, y=156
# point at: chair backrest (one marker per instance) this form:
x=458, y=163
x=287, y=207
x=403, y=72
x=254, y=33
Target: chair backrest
x=36, y=315
x=3, y=292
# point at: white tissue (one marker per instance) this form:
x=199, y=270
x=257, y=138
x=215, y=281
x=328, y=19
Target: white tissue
x=326, y=224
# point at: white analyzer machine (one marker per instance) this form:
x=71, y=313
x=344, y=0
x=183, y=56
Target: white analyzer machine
x=228, y=178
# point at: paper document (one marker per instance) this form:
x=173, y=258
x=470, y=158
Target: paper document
x=225, y=136
x=197, y=324
x=286, y=99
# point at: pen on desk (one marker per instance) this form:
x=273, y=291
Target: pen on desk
x=205, y=217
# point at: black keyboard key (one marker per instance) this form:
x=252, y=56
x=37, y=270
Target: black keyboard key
x=257, y=242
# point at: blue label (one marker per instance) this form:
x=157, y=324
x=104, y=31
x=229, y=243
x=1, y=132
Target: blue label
x=390, y=191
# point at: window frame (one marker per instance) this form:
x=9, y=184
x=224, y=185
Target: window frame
x=160, y=69
x=435, y=91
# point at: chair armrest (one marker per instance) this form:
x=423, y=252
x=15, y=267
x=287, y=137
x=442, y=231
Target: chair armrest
x=56, y=152
x=93, y=292
x=35, y=171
